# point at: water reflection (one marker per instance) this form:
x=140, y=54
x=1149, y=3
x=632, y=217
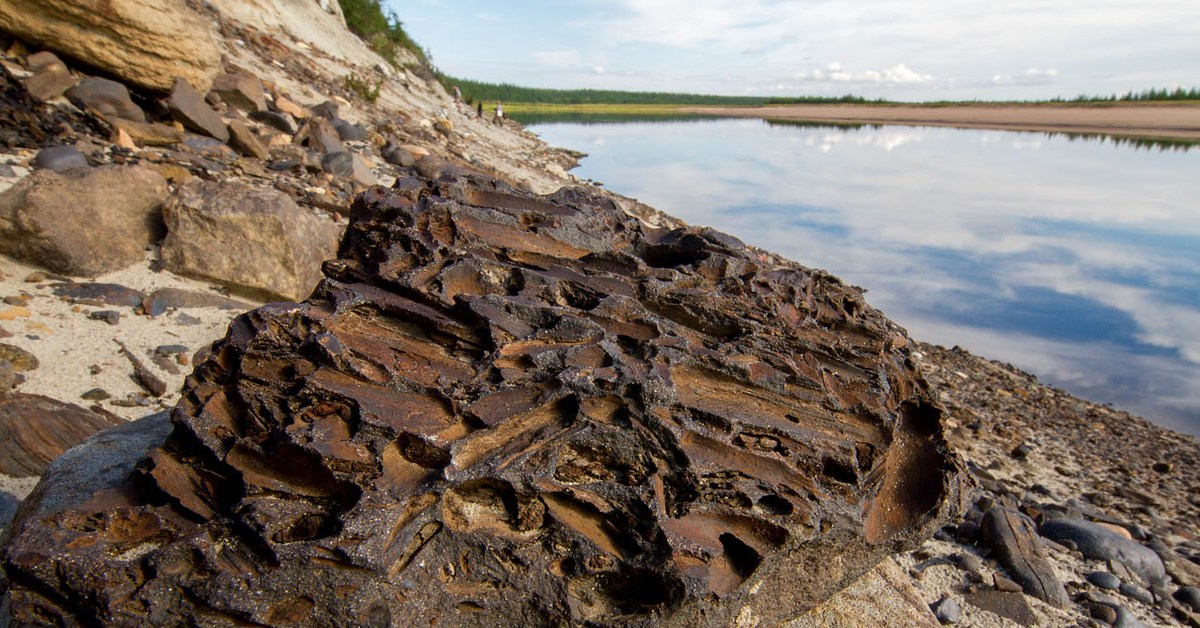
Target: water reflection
x=1068, y=258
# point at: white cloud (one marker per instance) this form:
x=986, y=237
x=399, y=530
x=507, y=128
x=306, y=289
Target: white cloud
x=598, y=69
x=484, y=16
x=1032, y=76
x=898, y=74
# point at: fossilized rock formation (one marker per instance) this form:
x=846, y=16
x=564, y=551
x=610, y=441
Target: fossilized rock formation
x=508, y=409
x=145, y=42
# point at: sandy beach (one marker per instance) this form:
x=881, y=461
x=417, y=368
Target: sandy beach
x=1162, y=121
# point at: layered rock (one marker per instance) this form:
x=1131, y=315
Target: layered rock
x=508, y=409
x=148, y=43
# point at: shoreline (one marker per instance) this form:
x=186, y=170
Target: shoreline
x=1160, y=121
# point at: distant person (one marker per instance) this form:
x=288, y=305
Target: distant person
x=479, y=109
x=457, y=95
x=499, y=113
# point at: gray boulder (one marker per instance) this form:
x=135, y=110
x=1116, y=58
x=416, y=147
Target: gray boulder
x=82, y=222
x=1099, y=543
x=103, y=461
x=252, y=238
x=109, y=98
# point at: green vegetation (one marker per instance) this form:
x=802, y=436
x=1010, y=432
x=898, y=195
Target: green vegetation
x=848, y=99
x=1149, y=95
x=367, y=90
x=383, y=31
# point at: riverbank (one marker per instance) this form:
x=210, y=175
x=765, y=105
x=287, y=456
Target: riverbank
x=1168, y=121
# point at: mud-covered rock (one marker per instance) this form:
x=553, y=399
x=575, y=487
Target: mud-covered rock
x=502, y=409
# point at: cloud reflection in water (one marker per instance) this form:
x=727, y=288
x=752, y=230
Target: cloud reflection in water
x=1076, y=260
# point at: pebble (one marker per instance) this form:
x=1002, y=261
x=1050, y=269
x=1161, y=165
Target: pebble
x=187, y=320
x=96, y=394
x=20, y=359
x=8, y=377
x=7, y=172
x=1189, y=596
x=1022, y=451
x=1002, y=583
x=1104, y=613
x=60, y=159
x=1130, y=590
x=947, y=610
x=171, y=349
x=112, y=317
x=969, y=563
x=13, y=314
x=1104, y=580
x=36, y=276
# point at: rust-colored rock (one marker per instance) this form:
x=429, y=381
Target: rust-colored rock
x=34, y=430
x=501, y=409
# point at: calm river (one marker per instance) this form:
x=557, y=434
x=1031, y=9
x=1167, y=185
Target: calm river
x=1077, y=260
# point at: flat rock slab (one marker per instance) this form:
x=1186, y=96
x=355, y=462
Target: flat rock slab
x=97, y=294
x=35, y=430
x=1015, y=543
x=188, y=107
x=1011, y=606
x=503, y=409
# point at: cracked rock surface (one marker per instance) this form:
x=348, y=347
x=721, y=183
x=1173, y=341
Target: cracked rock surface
x=500, y=408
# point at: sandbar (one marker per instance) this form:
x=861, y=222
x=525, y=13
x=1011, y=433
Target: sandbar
x=1163, y=121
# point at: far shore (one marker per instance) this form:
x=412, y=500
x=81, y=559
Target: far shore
x=1165, y=121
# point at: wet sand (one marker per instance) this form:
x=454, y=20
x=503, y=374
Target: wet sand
x=1165, y=121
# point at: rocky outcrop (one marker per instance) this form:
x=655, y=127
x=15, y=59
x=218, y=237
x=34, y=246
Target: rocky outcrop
x=247, y=237
x=82, y=221
x=508, y=409
x=148, y=43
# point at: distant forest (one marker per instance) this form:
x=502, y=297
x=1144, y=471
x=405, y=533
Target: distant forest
x=474, y=91
x=477, y=90
x=1149, y=95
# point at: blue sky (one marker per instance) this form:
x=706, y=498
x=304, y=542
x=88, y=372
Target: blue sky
x=912, y=50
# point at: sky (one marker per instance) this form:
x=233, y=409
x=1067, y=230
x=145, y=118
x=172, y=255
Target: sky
x=912, y=50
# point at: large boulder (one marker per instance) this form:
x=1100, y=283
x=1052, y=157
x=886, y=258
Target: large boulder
x=501, y=409
x=147, y=43
x=253, y=238
x=82, y=222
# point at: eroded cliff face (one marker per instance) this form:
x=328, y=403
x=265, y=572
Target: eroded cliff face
x=504, y=408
